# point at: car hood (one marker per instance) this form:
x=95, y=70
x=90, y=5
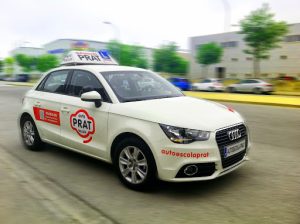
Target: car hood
x=185, y=112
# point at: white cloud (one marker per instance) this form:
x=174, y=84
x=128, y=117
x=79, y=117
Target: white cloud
x=145, y=22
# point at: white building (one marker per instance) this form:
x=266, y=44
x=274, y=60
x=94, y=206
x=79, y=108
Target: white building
x=60, y=47
x=236, y=64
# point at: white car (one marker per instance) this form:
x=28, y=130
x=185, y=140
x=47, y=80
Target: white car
x=101, y=111
x=208, y=85
x=256, y=86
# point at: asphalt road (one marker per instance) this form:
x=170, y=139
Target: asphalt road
x=264, y=190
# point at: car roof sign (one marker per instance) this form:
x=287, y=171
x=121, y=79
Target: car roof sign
x=88, y=58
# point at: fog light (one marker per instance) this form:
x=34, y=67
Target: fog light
x=190, y=170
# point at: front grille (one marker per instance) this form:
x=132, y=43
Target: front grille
x=223, y=140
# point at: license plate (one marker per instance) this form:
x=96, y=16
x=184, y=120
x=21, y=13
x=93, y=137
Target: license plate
x=235, y=148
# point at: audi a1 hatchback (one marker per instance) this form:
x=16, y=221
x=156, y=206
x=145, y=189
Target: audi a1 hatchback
x=134, y=119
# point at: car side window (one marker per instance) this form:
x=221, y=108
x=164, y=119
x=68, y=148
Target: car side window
x=83, y=81
x=55, y=82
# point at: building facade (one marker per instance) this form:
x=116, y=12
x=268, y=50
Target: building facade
x=60, y=47
x=283, y=61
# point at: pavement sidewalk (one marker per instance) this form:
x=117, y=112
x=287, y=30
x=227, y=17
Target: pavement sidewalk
x=17, y=204
x=29, y=196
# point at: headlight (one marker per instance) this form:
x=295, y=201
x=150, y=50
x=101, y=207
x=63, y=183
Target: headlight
x=184, y=135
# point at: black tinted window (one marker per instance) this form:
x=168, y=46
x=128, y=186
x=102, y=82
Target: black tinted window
x=83, y=81
x=55, y=82
x=139, y=85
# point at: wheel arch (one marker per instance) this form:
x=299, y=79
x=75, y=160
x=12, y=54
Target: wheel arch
x=23, y=115
x=122, y=136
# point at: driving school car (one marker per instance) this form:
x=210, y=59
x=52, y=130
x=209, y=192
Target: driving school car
x=95, y=107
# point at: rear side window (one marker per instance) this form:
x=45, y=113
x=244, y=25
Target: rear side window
x=55, y=82
x=83, y=81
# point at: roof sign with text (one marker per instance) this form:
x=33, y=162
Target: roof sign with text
x=88, y=58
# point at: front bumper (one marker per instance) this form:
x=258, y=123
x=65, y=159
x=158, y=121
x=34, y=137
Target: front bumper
x=171, y=158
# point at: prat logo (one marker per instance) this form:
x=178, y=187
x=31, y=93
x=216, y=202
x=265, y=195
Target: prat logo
x=83, y=124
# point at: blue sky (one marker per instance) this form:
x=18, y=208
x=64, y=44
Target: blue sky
x=145, y=22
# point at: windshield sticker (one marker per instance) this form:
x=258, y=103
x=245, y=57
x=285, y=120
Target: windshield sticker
x=45, y=115
x=83, y=124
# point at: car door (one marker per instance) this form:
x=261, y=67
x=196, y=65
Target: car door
x=252, y=85
x=206, y=84
x=85, y=128
x=241, y=86
x=47, y=103
x=247, y=85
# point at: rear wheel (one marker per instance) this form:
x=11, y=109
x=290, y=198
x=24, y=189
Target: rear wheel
x=30, y=136
x=135, y=164
x=257, y=91
x=231, y=90
x=211, y=89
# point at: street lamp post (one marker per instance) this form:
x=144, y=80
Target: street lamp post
x=227, y=15
x=117, y=34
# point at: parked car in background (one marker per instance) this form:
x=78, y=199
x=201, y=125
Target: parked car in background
x=18, y=78
x=209, y=85
x=181, y=83
x=22, y=78
x=256, y=86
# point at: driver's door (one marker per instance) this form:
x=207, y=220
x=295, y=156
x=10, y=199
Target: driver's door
x=86, y=126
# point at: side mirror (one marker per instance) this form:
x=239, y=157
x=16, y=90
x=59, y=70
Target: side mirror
x=92, y=96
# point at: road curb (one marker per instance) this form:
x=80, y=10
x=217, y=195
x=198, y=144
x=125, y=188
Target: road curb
x=256, y=103
x=270, y=100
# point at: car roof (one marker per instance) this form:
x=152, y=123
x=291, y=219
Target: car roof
x=102, y=68
x=255, y=80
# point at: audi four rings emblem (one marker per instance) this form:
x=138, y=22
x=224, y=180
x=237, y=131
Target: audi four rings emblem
x=234, y=134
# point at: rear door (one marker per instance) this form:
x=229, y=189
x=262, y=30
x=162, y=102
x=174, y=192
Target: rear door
x=242, y=86
x=46, y=101
x=85, y=128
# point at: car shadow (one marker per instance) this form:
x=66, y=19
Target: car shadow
x=182, y=189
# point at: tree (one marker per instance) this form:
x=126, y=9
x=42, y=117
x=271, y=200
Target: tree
x=166, y=59
x=207, y=54
x=1, y=65
x=130, y=55
x=9, y=64
x=262, y=33
x=46, y=62
x=28, y=63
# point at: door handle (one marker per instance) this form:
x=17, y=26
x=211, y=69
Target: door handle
x=65, y=109
x=37, y=104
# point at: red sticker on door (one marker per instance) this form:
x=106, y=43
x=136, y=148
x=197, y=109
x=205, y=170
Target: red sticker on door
x=45, y=115
x=83, y=124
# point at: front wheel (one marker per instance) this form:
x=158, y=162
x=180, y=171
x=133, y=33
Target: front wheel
x=135, y=164
x=30, y=136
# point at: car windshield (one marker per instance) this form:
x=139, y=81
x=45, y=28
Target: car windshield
x=139, y=85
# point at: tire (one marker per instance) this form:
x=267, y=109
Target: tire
x=231, y=89
x=30, y=135
x=257, y=91
x=135, y=164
